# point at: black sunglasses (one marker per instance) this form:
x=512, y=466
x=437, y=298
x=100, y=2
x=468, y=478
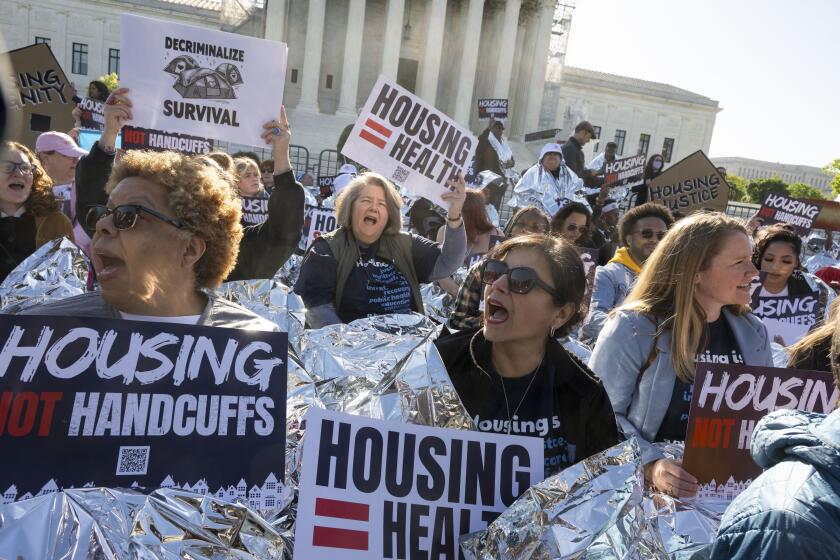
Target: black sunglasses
x=125, y=216
x=649, y=233
x=575, y=227
x=521, y=279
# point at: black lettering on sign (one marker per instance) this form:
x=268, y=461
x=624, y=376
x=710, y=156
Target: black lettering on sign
x=367, y=459
x=327, y=451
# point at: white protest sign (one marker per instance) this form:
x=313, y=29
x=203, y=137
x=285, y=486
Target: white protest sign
x=409, y=141
x=379, y=489
x=788, y=318
x=321, y=221
x=201, y=81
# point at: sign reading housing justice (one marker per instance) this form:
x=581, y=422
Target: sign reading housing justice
x=409, y=141
x=135, y=404
x=379, y=489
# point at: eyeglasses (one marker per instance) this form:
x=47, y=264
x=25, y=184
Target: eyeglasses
x=575, y=227
x=521, y=279
x=125, y=216
x=9, y=167
x=267, y=169
x=649, y=233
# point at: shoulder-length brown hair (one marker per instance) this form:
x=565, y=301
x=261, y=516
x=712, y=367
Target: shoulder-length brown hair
x=350, y=193
x=41, y=200
x=665, y=288
x=474, y=212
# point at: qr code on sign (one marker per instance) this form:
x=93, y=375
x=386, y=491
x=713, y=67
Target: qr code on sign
x=400, y=175
x=133, y=460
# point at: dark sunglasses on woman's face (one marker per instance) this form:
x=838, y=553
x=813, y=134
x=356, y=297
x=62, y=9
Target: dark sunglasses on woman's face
x=649, y=233
x=575, y=227
x=521, y=279
x=125, y=216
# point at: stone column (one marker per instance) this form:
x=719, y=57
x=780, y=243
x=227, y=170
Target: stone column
x=469, y=61
x=275, y=20
x=352, y=57
x=433, y=50
x=311, y=78
x=507, y=49
x=537, y=78
x=393, y=38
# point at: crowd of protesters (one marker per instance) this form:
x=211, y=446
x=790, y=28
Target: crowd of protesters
x=163, y=230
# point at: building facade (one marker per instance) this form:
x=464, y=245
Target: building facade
x=640, y=116
x=789, y=173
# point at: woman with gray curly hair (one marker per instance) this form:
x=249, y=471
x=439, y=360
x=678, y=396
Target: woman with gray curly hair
x=369, y=266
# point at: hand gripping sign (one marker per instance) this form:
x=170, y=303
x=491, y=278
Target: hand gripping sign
x=199, y=81
x=379, y=489
x=409, y=141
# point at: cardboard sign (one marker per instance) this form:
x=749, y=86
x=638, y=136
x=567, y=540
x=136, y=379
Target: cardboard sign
x=727, y=402
x=692, y=184
x=778, y=208
x=200, y=81
x=377, y=489
x=40, y=96
x=321, y=221
x=142, y=405
x=788, y=318
x=409, y=141
x=626, y=172
x=157, y=140
x=496, y=108
x=93, y=114
x=254, y=210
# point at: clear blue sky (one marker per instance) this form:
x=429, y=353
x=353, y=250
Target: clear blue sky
x=773, y=66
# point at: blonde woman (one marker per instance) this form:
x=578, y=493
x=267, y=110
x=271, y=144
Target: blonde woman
x=689, y=304
x=369, y=266
x=248, y=178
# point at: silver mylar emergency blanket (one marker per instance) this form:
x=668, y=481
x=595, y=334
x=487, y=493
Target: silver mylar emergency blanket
x=57, y=270
x=539, y=188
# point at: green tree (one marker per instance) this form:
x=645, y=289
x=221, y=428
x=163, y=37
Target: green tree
x=834, y=167
x=757, y=189
x=737, y=188
x=801, y=190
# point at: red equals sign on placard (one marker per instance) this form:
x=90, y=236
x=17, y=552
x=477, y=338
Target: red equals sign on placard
x=340, y=537
x=373, y=132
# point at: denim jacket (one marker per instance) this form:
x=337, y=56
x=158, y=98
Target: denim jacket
x=612, y=284
x=624, y=347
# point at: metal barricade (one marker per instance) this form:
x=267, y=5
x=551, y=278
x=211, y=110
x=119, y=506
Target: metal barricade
x=299, y=157
x=329, y=162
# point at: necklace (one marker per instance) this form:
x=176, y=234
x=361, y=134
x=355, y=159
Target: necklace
x=502, y=380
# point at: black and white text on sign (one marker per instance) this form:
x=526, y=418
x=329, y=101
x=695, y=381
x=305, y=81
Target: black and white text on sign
x=379, y=489
x=116, y=403
x=409, y=141
x=496, y=108
x=625, y=172
x=778, y=208
x=199, y=81
x=322, y=220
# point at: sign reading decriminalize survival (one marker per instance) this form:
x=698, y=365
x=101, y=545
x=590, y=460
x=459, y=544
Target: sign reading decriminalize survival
x=727, y=402
x=625, y=172
x=409, y=141
x=379, y=489
x=690, y=185
x=199, y=81
x=142, y=405
x=496, y=108
x=778, y=208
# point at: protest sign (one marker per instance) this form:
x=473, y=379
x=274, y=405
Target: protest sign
x=625, y=172
x=409, y=141
x=87, y=138
x=778, y=208
x=496, y=108
x=93, y=114
x=142, y=405
x=200, y=81
x=690, y=185
x=379, y=489
x=254, y=209
x=325, y=185
x=726, y=403
x=321, y=221
x=157, y=140
x=40, y=95
x=788, y=318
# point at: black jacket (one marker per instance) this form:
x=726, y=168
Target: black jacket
x=580, y=400
x=573, y=156
x=264, y=248
x=486, y=158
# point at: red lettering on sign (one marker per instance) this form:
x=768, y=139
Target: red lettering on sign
x=339, y=538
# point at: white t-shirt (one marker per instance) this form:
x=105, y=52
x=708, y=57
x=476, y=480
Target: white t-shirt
x=180, y=319
x=765, y=293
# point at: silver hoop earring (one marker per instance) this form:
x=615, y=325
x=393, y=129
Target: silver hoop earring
x=552, y=331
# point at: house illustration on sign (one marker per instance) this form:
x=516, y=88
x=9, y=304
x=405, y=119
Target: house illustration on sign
x=726, y=491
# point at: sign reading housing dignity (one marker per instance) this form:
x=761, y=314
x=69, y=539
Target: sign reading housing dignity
x=201, y=82
x=379, y=489
x=141, y=405
x=409, y=141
